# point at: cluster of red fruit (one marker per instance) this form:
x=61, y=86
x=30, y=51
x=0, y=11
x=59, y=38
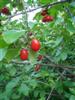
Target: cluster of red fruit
x=46, y=17
x=5, y=11
x=35, y=46
x=38, y=66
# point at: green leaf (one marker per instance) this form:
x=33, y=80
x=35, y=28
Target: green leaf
x=63, y=55
x=70, y=28
x=2, y=43
x=11, y=69
x=11, y=36
x=11, y=84
x=3, y=96
x=32, y=56
x=36, y=93
x=58, y=41
x=45, y=1
x=59, y=20
x=73, y=4
x=3, y=3
x=73, y=20
x=20, y=5
x=69, y=84
x=37, y=16
x=28, y=67
x=42, y=98
x=44, y=73
x=72, y=97
x=32, y=83
x=72, y=90
x=24, y=89
x=12, y=53
x=31, y=24
x=15, y=96
x=3, y=52
x=59, y=86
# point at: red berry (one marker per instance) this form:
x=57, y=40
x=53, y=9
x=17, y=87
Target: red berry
x=30, y=33
x=37, y=67
x=47, y=18
x=44, y=12
x=44, y=19
x=24, y=54
x=5, y=11
x=35, y=45
x=40, y=57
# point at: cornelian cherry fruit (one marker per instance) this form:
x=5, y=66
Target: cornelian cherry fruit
x=5, y=11
x=30, y=33
x=37, y=67
x=24, y=54
x=40, y=57
x=44, y=12
x=47, y=18
x=35, y=45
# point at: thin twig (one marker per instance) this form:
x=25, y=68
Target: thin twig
x=42, y=64
x=18, y=62
x=43, y=6
x=60, y=66
x=68, y=11
x=50, y=94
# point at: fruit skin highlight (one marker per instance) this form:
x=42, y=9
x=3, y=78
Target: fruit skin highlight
x=35, y=45
x=24, y=54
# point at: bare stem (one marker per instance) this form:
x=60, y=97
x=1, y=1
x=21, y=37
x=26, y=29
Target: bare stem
x=50, y=64
x=43, y=6
x=50, y=94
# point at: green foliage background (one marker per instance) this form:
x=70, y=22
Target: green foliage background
x=18, y=80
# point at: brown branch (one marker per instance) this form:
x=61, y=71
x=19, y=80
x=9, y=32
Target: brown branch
x=51, y=64
x=70, y=75
x=48, y=5
x=20, y=62
x=59, y=66
x=50, y=94
x=43, y=6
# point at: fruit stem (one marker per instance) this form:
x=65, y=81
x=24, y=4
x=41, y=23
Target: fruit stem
x=25, y=19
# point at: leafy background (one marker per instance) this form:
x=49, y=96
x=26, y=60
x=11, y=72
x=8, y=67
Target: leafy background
x=18, y=80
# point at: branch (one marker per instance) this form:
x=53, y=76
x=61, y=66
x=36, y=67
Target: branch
x=42, y=64
x=48, y=5
x=59, y=66
x=53, y=64
x=18, y=62
x=50, y=94
x=43, y=6
x=68, y=11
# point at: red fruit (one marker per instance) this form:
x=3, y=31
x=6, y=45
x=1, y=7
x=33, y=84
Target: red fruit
x=40, y=57
x=44, y=19
x=5, y=11
x=44, y=12
x=24, y=54
x=30, y=33
x=37, y=67
x=47, y=18
x=35, y=45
